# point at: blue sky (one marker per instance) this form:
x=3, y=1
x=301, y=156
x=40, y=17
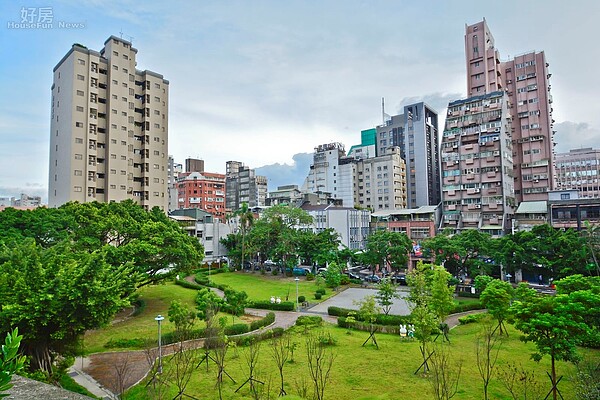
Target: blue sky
x=264, y=82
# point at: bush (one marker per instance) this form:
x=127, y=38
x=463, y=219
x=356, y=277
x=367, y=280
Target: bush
x=268, y=320
x=301, y=299
x=236, y=329
x=356, y=281
x=392, y=320
x=139, y=305
x=322, y=291
x=188, y=285
x=462, y=307
x=309, y=320
x=345, y=280
x=338, y=311
x=267, y=305
x=318, y=296
x=274, y=272
x=467, y=319
x=326, y=339
x=310, y=277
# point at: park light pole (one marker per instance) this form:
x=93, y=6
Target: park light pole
x=159, y=319
x=297, y=305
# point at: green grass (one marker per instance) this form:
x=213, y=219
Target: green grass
x=262, y=287
x=68, y=383
x=158, y=299
x=368, y=373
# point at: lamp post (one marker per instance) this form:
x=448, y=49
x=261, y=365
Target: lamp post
x=297, y=305
x=159, y=319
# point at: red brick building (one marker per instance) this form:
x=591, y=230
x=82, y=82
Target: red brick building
x=203, y=190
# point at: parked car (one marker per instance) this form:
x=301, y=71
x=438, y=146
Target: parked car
x=321, y=270
x=301, y=271
x=372, y=278
x=352, y=275
x=399, y=279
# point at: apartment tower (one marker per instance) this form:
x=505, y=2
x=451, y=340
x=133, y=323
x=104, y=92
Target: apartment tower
x=109, y=128
x=415, y=132
x=477, y=161
x=525, y=79
x=579, y=169
x=244, y=186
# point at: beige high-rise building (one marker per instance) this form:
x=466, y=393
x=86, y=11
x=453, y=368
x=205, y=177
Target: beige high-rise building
x=109, y=128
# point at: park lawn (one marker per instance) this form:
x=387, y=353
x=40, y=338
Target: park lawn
x=157, y=299
x=262, y=287
x=368, y=373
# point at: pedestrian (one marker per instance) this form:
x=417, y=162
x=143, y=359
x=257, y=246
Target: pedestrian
x=541, y=279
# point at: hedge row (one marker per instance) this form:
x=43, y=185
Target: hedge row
x=188, y=285
x=363, y=326
x=267, y=305
x=462, y=307
x=380, y=319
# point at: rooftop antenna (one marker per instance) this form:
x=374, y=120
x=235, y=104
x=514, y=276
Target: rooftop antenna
x=382, y=111
x=121, y=33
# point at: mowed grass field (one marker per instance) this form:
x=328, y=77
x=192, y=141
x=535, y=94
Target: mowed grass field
x=368, y=373
x=157, y=299
x=262, y=287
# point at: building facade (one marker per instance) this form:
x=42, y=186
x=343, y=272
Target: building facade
x=351, y=225
x=381, y=181
x=205, y=191
x=173, y=171
x=478, y=191
x=244, y=186
x=579, y=169
x=209, y=232
x=416, y=133
x=109, y=128
x=525, y=78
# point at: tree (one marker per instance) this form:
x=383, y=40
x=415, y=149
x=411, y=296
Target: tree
x=386, y=293
x=320, y=361
x=183, y=318
x=554, y=324
x=388, y=249
x=481, y=282
x=591, y=236
x=208, y=304
x=280, y=352
x=422, y=316
x=236, y=301
x=53, y=295
x=10, y=361
x=442, y=295
x=333, y=275
x=246, y=220
x=444, y=375
x=497, y=298
x=462, y=254
x=488, y=347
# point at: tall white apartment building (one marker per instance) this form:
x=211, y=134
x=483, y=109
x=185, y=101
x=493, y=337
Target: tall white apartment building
x=109, y=128
x=381, y=181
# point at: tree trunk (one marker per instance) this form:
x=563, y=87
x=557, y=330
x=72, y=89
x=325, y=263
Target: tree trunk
x=41, y=359
x=554, y=389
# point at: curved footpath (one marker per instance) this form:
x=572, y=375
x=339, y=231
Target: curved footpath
x=100, y=372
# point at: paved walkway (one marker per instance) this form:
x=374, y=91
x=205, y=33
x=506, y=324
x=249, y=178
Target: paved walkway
x=105, y=374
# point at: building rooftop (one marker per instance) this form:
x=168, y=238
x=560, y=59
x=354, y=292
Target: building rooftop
x=532, y=207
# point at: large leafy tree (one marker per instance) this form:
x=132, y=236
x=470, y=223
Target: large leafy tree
x=464, y=253
x=497, y=297
x=386, y=293
x=555, y=324
x=387, y=249
x=53, y=295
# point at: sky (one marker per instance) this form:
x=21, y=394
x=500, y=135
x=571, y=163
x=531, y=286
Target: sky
x=265, y=82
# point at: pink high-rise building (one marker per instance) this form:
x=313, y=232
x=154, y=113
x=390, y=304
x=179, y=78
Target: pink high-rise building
x=525, y=79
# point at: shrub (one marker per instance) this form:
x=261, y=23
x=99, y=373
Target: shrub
x=356, y=281
x=326, y=339
x=139, y=305
x=322, y=291
x=318, y=296
x=462, y=307
x=338, y=311
x=392, y=320
x=345, y=280
x=188, y=285
x=467, y=319
x=267, y=305
x=268, y=320
x=309, y=320
x=310, y=277
x=236, y=329
x=274, y=271
x=301, y=299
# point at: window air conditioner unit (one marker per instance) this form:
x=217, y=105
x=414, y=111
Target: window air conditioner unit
x=477, y=205
x=476, y=191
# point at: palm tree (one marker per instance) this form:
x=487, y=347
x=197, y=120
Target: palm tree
x=246, y=220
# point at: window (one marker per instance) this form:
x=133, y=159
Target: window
x=115, y=53
x=113, y=171
x=113, y=156
x=79, y=140
x=157, y=99
x=79, y=124
x=80, y=61
x=125, y=56
x=77, y=188
x=115, y=82
x=80, y=77
x=80, y=93
x=78, y=156
x=79, y=108
x=116, y=68
x=78, y=172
